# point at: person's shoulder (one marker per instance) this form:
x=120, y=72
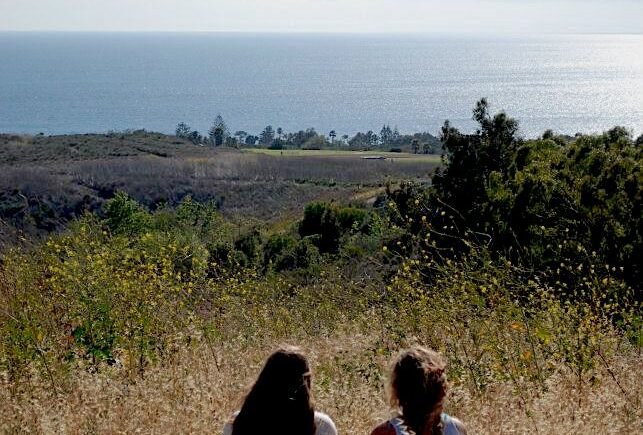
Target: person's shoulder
x=325, y=424
x=462, y=429
x=454, y=423
x=227, y=427
x=384, y=429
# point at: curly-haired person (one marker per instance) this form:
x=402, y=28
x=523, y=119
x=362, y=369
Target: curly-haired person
x=418, y=389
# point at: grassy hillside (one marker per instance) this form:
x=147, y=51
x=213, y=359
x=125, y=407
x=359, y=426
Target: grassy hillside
x=154, y=313
x=48, y=181
x=145, y=331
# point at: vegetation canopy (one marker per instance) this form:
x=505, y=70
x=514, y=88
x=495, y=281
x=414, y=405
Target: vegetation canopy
x=516, y=259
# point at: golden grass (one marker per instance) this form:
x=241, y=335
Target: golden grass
x=193, y=336
x=197, y=389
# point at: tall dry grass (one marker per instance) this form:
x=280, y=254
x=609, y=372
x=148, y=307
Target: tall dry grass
x=60, y=178
x=199, y=388
x=192, y=334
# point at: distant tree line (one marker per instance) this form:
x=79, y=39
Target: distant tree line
x=218, y=134
x=388, y=139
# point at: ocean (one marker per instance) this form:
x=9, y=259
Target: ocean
x=58, y=83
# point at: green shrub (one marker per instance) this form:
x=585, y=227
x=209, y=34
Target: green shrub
x=540, y=203
x=329, y=223
x=125, y=216
x=283, y=252
x=249, y=245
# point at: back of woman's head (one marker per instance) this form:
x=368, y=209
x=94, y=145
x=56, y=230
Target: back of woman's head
x=280, y=400
x=419, y=386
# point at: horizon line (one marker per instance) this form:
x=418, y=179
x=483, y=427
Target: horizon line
x=320, y=32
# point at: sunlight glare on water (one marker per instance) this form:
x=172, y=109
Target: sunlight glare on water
x=64, y=83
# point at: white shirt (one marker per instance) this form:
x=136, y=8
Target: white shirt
x=324, y=425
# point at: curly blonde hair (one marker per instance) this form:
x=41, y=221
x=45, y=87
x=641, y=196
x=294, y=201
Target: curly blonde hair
x=418, y=388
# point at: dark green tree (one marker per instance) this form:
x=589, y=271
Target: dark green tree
x=415, y=146
x=241, y=136
x=267, y=136
x=472, y=160
x=195, y=137
x=183, y=130
x=251, y=140
x=300, y=138
x=618, y=134
x=386, y=135
x=639, y=141
x=218, y=132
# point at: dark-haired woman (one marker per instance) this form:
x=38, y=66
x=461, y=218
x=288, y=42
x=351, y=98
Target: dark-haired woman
x=418, y=389
x=280, y=401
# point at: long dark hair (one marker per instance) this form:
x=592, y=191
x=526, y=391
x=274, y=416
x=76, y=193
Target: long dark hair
x=280, y=401
x=418, y=388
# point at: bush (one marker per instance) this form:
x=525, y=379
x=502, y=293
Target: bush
x=539, y=203
x=320, y=219
x=283, y=252
x=249, y=245
x=125, y=216
x=329, y=223
x=100, y=297
x=351, y=218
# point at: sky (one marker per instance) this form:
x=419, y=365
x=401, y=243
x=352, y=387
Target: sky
x=371, y=16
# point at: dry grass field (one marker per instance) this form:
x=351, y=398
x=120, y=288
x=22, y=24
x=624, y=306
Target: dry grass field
x=198, y=389
x=429, y=158
x=553, y=368
x=48, y=181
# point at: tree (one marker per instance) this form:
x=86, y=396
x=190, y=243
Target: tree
x=548, y=134
x=639, y=141
x=616, y=134
x=396, y=135
x=231, y=142
x=251, y=140
x=241, y=136
x=280, y=132
x=426, y=148
x=359, y=140
x=315, y=142
x=473, y=161
x=277, y=144
x=267, y=136
x=320, y=221
x=386, y=135
x=415, y=146
x=195, y=137
x=332, y=136
x=124, y=215
x=219, y=131
x=302, y=137
x=183, y=130
x=372, y=139
x=366, y=140
x=497, y=132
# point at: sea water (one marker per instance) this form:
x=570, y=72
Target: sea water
x=95, y=82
